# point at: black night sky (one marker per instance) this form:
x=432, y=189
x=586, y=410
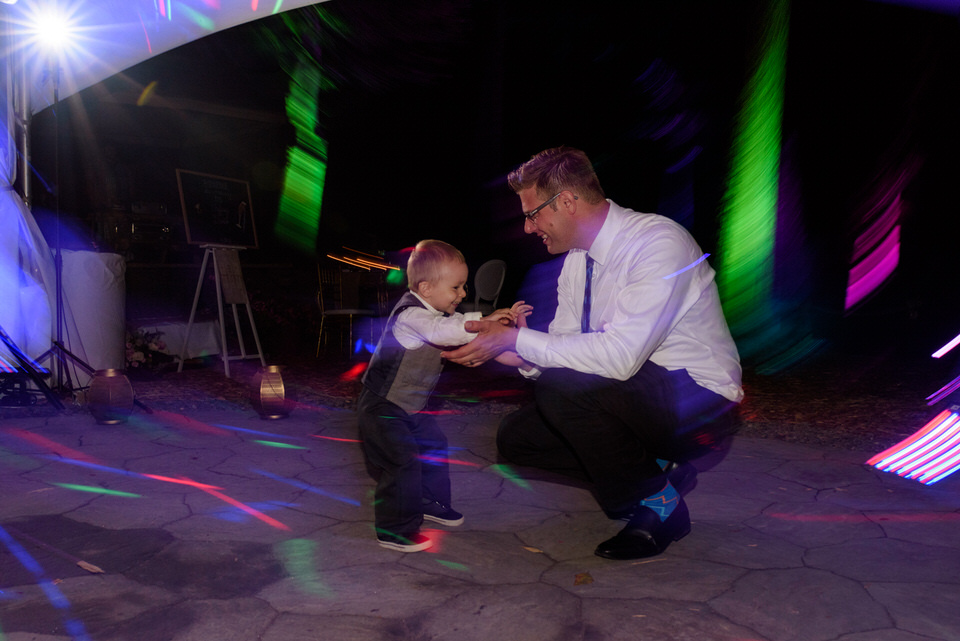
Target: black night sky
x=437, y=100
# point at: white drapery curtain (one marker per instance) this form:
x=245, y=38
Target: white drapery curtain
x=27, y=273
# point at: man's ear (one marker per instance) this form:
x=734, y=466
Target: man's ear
x=568, y=201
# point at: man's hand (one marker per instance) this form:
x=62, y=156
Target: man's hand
x=492, y=340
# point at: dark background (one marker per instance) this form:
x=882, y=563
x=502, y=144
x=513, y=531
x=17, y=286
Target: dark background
x=436, y=101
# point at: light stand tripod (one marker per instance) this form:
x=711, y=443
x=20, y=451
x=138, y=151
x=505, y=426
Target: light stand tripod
x=57, y=350
x=25, y=366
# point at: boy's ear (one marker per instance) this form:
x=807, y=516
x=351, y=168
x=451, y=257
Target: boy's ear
x=424, y=287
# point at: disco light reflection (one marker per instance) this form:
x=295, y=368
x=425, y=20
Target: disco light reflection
x=929, y=455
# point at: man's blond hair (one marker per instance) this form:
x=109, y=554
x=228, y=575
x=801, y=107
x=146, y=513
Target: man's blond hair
x=553, y=170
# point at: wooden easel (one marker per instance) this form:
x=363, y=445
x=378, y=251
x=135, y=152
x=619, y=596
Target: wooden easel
x=230, y=290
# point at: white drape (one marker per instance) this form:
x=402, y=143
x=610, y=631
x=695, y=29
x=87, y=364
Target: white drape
x=26, y=264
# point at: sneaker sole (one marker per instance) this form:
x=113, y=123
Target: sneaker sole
x=441, y=521
x=405, y=547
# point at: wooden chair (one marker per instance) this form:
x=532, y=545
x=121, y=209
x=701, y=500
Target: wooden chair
x=338, y=298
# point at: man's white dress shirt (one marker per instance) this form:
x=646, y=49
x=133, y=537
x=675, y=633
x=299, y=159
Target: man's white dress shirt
x=653, y=297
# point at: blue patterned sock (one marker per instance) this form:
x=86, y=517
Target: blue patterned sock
x=663, y=502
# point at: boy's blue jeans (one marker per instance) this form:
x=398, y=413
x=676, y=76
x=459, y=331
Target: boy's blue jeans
x=410, y=453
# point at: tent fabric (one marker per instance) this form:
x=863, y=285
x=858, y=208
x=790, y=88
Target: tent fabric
x=108, y=36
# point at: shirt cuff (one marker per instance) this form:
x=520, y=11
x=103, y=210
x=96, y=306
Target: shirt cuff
x=531, y=374
x=532, y=345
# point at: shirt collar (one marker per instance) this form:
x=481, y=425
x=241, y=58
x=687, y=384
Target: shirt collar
x=600, y=249
x=427, y=305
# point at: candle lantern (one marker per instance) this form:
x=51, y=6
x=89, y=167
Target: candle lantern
x=110, y=396
x=269, y=396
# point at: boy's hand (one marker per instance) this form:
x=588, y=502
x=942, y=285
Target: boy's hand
x=511, y=317
x=503, y=316
x=520, y=311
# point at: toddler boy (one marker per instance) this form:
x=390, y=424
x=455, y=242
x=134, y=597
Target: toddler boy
x=403, y=443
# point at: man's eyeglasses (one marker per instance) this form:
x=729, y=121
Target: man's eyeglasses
x=532, y=214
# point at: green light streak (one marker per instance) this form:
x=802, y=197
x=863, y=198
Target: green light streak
x=297, y=556
x=507, y=472
x=196, y=17
x=749, y=216
x=298, y=219
x=285, y=446
x=453, y=565
x=96, y=490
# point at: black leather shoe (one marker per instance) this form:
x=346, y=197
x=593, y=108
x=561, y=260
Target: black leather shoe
x=646, y=535
x=682, y=476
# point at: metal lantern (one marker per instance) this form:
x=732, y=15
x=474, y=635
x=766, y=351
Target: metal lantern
x=269, y=395
x=110, y=396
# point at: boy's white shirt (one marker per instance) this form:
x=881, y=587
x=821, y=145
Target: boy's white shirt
x=416, y=326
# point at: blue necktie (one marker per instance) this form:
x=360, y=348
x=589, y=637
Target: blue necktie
x=585, y=316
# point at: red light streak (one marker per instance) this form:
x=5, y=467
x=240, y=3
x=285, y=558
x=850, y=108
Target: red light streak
x=437, y=537
x=438, y=459
x=146, y=35
x=354, y=372
x=167, y=479
x=179, y=420
x=53, y=446
x=333, y=438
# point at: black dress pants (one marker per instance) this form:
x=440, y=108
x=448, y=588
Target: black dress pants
x=410, y=452
x=611, y=432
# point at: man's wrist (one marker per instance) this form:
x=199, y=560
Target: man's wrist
x=514, y=335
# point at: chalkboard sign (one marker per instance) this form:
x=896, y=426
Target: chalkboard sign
x=216, y=210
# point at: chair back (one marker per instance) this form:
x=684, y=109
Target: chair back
x=338, y=289
x=488, y=281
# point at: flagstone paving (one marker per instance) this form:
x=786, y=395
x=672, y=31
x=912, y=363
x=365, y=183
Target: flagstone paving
x=216, y=524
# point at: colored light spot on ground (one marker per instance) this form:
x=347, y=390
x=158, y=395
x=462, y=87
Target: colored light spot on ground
x=334, y=438
x=507, y=472
x=299, y=560
x=285, y=446
x=96, y=490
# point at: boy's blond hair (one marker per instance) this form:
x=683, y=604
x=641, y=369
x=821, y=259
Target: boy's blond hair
x=427, y=259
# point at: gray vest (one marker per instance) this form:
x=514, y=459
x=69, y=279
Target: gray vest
x=405, y=377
